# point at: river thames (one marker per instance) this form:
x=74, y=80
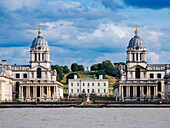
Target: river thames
x=84, y=117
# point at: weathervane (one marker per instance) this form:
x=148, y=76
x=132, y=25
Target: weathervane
x=136, y=28
x=39, y=28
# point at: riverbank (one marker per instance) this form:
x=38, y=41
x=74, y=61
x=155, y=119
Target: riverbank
x=85, y=106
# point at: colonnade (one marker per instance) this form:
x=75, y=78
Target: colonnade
x=41, y=92
x=125, y=91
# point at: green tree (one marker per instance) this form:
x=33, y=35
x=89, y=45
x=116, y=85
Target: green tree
x=116, y=74
x=99, y=66
x=106, y=64
x=59, y=69
x=65, y=69
x=101, y=72
x=94, y=67
x=71, y=76
x=80, y=68
x=74, y=67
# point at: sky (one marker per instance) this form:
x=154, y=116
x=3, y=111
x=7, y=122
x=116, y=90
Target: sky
x=84, y=31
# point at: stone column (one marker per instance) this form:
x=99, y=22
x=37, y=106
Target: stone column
x=40, y=56
x=149, y=92
x=156, y=89
x=139, y=57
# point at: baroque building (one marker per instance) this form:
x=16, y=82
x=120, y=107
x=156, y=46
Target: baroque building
x=167, y=83
x=140, y=81
x=79, y=86
x=36, y=81
x=5, y=82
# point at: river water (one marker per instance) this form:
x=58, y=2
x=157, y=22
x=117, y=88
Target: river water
x=85, y=118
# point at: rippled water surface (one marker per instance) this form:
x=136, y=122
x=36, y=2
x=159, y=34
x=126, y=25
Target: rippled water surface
x=85, y=117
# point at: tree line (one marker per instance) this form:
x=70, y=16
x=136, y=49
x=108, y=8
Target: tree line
x=106, y=67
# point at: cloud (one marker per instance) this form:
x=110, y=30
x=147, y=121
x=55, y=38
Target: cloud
x=153, y=57
x=113, y=4
x=152, y=4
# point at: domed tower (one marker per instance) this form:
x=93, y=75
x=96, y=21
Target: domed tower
x=40, y=52
x=136, y=52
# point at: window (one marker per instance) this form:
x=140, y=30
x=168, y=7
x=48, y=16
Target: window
x=39, y=56
x=77, y=84
x=159, y=86
x=83, y=90
x=159, y=75
x=35, y=56
x=140, y=56
x=88, y=90
x=92, y=84
x=133, y=57
x=77, y=90
x=32, y=75
x=136, y=56
x=42, y=56
x=83, y=84
x=104, y=84
x=88, y=84
x=151, y=75
x=38, y=72
x=137, y=71
x=98, y=84
x=104, y=90
x=92, y=90
x=98, y=90
x=17, y=75
x=24, y=75
x=71, y=90
x=71, y=84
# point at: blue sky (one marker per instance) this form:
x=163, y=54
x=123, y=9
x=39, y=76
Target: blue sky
x=84, y=31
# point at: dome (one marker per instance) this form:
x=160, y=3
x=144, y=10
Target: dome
x=39, y=41
x=136, y=41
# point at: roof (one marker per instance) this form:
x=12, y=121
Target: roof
x=136, y=41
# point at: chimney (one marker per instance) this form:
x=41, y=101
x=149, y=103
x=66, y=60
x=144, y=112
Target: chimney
x=100, y=77
x=3, y=62
x=75, y=77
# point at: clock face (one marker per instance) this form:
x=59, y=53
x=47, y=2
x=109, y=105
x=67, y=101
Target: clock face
x=137, y=48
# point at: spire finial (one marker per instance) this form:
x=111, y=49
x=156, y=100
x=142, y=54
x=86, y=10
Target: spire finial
x=39, y=28
x=136, y=28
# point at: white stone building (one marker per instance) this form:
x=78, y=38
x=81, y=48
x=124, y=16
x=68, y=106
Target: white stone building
x=5, y=82
x=167, y=83
x=78, y=86
x=141, y=80
x=36, y=80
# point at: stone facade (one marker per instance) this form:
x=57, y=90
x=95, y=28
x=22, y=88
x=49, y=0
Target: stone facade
x=5, y=82
x=78, y=86
x=36, y=81
x=167, y=83
x=140, y=81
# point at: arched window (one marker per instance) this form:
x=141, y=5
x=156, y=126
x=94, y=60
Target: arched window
x=159, y=86
x=137, y=71
x=38, y=72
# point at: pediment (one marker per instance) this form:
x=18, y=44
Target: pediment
x=38, y=66
x=133, y=68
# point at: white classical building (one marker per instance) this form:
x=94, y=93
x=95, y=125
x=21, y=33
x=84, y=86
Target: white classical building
x=78, y=86
x=36, y=80
x=5, y=82
x=167, y=83
x=140, y=81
